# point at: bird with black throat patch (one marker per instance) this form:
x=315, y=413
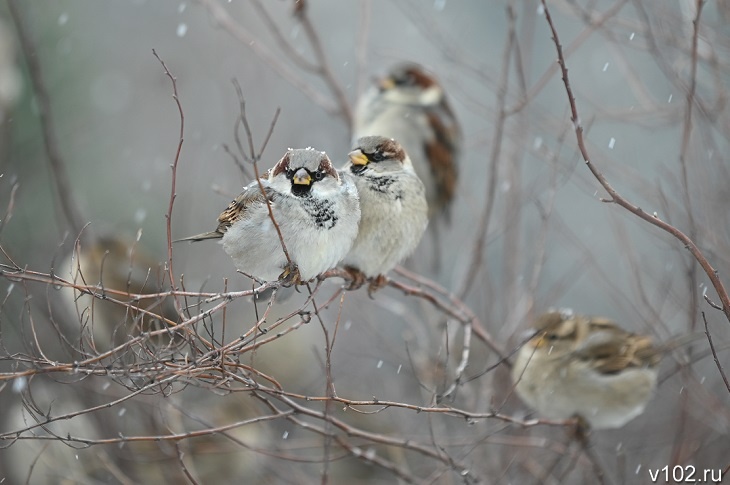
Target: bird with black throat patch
x=316, y=209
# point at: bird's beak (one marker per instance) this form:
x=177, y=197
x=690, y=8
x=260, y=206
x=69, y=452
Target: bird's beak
x=386, y=84
x=357, y=157
x=302, y=177
x=539, y=341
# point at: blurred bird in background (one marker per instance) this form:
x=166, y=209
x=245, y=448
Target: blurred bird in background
x=119, y=269
x=410, y=105
x=588, y=367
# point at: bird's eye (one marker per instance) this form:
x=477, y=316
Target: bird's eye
x=552, y=336
x=402, y=80
x=318, y=175
x=377, y=157
x=289, y=173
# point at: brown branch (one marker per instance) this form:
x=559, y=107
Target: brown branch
x=364, y=15
x=477, y=258
x=323, y=67
x=283, y=43
x=686, y=137
x=10, y=208
x=255, y=157
x=173, y=181
x=714, y=354
x=236, y=30
x=615, y=197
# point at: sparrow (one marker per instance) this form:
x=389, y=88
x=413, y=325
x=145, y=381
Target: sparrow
x=587, y=367
x=315, y=207
x=119, y=267
x=409, y=104
x=393, y=207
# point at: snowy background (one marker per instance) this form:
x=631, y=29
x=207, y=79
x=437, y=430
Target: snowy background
x=550, y=242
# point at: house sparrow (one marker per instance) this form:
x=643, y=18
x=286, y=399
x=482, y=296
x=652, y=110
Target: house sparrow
x=586, y=367
x=409, y=105
x=393, y=206
x=315, y=207
x=120, y=267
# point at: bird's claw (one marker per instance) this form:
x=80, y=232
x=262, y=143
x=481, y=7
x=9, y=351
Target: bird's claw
x=290, y=276
x=376, y=283
x=357, y=278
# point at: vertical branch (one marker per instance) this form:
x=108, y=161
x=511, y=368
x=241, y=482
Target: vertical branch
x=323, y=67
x=714, y=354
x=478, y=250
x=514, y=203
x=57, y=164
x=173, y=182
x=254, y=158
x=222, y=18
x=680, y=441
x=362, y=45
x=686, y=138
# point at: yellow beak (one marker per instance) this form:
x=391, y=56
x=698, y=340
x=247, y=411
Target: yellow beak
x=386, y=83
x=302, y=177
x=357, y=157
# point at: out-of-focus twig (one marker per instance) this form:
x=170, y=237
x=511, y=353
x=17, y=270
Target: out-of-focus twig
x=714, y=354
x=223, y=18
x=323, y=66
x=58, y=166
x=11, y=206
x=477, y=256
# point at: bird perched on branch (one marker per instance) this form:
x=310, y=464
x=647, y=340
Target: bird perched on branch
x=410, y=105
x=588, y=367
x=393, y=206
x=316, y=210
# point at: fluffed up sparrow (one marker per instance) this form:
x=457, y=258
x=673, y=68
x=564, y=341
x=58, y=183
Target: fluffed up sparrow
x=315, y=207
x=409, y=105
x=393, y=206
x=586, y=367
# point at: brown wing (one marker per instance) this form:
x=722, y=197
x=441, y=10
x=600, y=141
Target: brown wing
x=237, y=208
x=442, y=153
x=612, y=349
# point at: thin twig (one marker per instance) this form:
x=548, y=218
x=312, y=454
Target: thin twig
x=173, y=181
x=477, y=257
x=222, y=17
x=615, y=197
x=323, y=66
x=254, y=158
x=11, y=206
x=362, y=45
x=714, y=353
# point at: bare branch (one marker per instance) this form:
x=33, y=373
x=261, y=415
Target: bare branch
x=617, y=198
x=173, y=180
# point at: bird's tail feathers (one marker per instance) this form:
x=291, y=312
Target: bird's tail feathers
x=201, y=237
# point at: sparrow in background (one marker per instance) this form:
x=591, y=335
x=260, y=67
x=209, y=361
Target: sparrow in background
x=121, y=268
x=587, y=367
x=393, y=206
x=315, y=207
x=410, y=106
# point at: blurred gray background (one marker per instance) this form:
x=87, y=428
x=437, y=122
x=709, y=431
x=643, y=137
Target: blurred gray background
x=551, y=242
